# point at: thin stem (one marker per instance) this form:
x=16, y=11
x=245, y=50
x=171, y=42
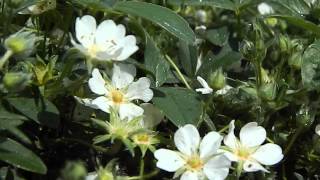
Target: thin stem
x=178, y=71
x=141, y=172
x=5, y=58
x=223, y=129
x=89, y=65
x=293, y=139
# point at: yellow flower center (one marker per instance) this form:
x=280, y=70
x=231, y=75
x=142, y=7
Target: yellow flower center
x=93, y=50
x=194, y=163
x=117, y=96
x=142, y=139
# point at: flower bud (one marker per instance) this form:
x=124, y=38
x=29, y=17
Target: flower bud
x=21, y=43
x=104, y=174
x=201, y=16
x=268, y=91
x=16, y=81
x=295, y=61
x=284, y=43
x=217, y=79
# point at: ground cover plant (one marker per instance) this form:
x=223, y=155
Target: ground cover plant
x=159, y=89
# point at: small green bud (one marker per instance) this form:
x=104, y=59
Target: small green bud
x=74, y=170
x=217, y=79
x=284, y=43
x=104, y=174
x=264, y=76
x=305, y=117
x=201, y=16
x=295, y=61
x=16, y=81
x=268, y=91
x=271, y=21
x=21, y=43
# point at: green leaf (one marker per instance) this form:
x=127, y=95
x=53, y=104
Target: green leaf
x=180, y=105
x=96, y=4
x=43, y=112
x=162, y=16
x=14, y=153
x=155, y=62
x=224, y=4
x=218, y=36
x=188, y=56
x=300, y=22
x=224, y=59
x=310, y=68
x=291, y=7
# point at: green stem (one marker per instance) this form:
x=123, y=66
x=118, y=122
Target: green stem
x=5, y=58
x=141, y=172
x=293, y=139
x=178, y=71
x=224, y=129
x=89, y=65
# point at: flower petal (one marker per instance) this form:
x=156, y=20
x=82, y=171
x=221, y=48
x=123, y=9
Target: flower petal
x=210, y=144
x=217, y=168
x=230, y=140
x=268, y=154
x=97, y=83
x=204, y=90
x=189, y=175
x=85, y=30
x=250, y=166
x=123, y=75
x=91, y=176
x=130, y=111
x=318, y=129
x=230, y=155
x=168, y=160
x=106, y=32
x=203, y=82
x=140, y=90
x=187, y=139
x=252, y=135
x=86, y=102
x=152, y=115
x=129, y=47
x=102, y=103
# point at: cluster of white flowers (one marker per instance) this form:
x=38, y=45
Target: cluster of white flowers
x=206, y=159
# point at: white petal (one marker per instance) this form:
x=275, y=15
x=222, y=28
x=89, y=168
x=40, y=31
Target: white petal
x=97, y=83
x=140, y=90
x=168, y=160
x=187, y=139
x=203, y=82
x=217, y=168
x=129, y=47
x=265, y=8
x=152, y=115
x=230, y=140
x=318, y=129
x=252, y=135
x=230, y=155
x=85, y=30
x=204, y=90
x=91, y=176
x=189, y=175
x=121, y=31
x=102, y=103
x=250, y=166
x=268, y=154
x=123, y=75
x=86, y=102
x=130, y=111
x=224, y=90
x=106, y=32
x=210, y=144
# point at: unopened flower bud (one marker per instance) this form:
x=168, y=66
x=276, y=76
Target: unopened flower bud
x=295, y=61
x=21, y=43
x=201, y=16
x=217, y=79
x=284, y=43
x=16, y=81
x=268, y=91
x=247, y=49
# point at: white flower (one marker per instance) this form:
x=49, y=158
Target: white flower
x=224, y=90
x=91, y=176
x=119, y=93
x=318, y=129
x=196, y=160
x=265, y=9
x=206, y=89
x=108, y=41
x=249, y=151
